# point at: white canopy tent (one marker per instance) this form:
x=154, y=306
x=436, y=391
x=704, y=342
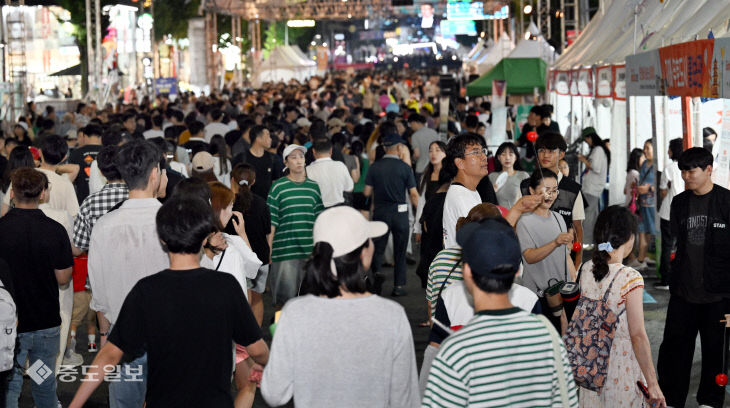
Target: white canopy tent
x=500, y=50
x=284, y=63
x=606, y=42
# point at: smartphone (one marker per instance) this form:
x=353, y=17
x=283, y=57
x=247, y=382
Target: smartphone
x=643, y=390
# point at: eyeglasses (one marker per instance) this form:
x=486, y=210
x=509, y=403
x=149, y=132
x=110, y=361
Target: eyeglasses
x=546, y=151
x=481, y=151
x=551, y=192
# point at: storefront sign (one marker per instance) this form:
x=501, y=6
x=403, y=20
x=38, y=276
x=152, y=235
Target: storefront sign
x=166, y=85
x=603, y=82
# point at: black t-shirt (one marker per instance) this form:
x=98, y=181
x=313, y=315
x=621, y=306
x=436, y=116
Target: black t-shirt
x=692, y=288
x=173, y=178
x=257, y=222
x=83, y=156
x=390, y=177
x=186, y=321
x=486, y=191
x=267, y=170
x=7, y=278
x=33, y=246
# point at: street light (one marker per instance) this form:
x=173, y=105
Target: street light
x=528, y=9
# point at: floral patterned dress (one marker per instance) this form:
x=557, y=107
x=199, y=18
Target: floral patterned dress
x=620, y=389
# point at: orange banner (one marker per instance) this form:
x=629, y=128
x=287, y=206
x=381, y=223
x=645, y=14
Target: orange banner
x=686, y=68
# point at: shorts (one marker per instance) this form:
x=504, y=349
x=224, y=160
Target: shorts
x=286, y=279
x=82, y=310
x=360, y=202
x=258, y=284
x=647, y=220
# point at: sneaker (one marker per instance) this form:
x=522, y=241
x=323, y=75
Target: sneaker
x=72, y=358
x=634, y=264
x=642, y=266
x=399, y=291
x=92, y=348
x=661, y=286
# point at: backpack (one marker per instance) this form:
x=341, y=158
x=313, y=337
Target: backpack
x=8, y=329
x=588, y=340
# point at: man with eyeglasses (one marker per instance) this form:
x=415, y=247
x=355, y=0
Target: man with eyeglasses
x=551, y=149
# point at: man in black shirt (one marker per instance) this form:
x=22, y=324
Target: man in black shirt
x=83, y=157
x=267, y=169
x=185, y=318
x=38, y=252
x=699, y=283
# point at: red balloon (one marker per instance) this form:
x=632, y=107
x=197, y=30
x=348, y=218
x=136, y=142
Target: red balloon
x=721, y=380
x=671, y=256
x=577, y=246
x=532, y=136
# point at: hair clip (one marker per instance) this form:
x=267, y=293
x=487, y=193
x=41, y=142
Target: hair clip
x=243, y=182
x=606, y=246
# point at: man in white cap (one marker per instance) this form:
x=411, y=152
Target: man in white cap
x=294, y=202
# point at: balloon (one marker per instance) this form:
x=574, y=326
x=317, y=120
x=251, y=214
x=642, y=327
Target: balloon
x=577, y=246
x=532, y=136
x=671, y=256
x=721, y=380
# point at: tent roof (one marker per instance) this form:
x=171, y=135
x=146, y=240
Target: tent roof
x=523, y=75
x=284, y=57
x=500, y=50
x=538, y=48
x=609, y=37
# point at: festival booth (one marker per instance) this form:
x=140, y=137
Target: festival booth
x=588, y=83
x=283, y=64
x=523, y=76
x=495, y=54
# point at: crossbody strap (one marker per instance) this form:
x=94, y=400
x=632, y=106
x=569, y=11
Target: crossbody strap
x=220, y=260
x=565, y=262
x=557, y=360
x=441, y=289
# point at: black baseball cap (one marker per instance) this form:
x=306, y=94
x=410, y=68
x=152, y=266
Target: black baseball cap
x=488, y=245
x=392, y=139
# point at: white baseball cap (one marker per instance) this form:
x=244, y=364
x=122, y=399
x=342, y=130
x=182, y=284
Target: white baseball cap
x=292, y=147
x=345, y=229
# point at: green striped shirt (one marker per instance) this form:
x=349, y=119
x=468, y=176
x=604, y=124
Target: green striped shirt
x=294, y=207
x=438, y=271
x=501, y=358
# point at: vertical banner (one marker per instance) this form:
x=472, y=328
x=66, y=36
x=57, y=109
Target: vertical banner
x=499, y=93
x=561, y=83
x=604, y=80
x=686, y=68
x=619, y=82
x=499, y=113
x=585, y=82
x=322, y=58
x=721, y=150
x=574, y=83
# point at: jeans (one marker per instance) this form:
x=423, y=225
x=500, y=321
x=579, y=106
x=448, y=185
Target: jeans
x=667, y=245
x=594, y=203
x=398, y=226
x=285, y=279
x=130, y=390
x=684, y=320
x=40, y=347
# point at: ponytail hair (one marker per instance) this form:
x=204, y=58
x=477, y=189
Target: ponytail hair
x=318, y=277
x=244, y=175
x=615, y=226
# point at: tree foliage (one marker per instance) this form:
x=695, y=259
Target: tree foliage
x=171, y=17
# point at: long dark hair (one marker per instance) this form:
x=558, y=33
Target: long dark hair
x=19, y=157
x=596, y=141
x=615, y=225
x=634, y=159
x=318, y=277
x=426, y=177
x=504, y=146
x=244, y=175
x=218, y=146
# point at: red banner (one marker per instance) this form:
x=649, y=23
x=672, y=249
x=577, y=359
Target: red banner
x=686, y=67
x=585, y=82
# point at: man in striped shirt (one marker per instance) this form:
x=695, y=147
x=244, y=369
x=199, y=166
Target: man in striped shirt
x=504, y=356
x=294, y=202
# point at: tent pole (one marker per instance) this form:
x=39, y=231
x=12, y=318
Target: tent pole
x=686, y=122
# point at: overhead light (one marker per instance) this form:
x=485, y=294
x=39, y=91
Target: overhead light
x=300, y=23
x=528, y=9
x=395, y=59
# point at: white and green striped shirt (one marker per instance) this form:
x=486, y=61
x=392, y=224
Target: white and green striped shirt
x=439, y=270
x=294, y=207
x=502, y=358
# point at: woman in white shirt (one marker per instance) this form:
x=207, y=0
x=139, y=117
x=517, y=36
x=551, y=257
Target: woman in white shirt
x=507, y=175
x=594, y=180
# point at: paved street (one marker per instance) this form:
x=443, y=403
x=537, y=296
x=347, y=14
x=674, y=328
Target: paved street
x=415, y=307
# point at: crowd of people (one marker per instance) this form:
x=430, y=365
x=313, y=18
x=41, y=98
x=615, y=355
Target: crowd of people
x=123, y=218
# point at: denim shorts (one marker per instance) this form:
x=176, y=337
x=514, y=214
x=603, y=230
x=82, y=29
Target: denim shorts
x=285, y=279
x=647, y=220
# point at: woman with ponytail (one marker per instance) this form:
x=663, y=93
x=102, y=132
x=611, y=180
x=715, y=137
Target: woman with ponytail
x=605, y=275
x=257, y=221
x=339, y=345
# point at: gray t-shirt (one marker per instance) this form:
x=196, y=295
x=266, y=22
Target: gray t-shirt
x=354, y=352
x=509, y=193
x=535, y=231
x=422, y=140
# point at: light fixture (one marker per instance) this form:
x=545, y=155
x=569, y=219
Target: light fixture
x=395, y=59
x=300, y=23
x=527, y=35
x=528, y=9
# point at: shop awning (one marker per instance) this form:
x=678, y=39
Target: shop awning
x=523, y=75
x=72, y=70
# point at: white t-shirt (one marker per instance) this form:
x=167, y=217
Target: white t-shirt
x=215, y=128
x=153, y=133
x=459, y=201
x=333, y=179
x=223, y=177
x=595, y=180
x=673, y=175
x=62, y=193
x=238, y=260
x=459, y=303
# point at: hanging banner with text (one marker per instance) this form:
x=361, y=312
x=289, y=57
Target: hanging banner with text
x=685, y=68
x=644, y=74
x=603, y=82
x=619, y=82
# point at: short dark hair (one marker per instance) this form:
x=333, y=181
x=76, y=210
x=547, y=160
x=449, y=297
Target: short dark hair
x=676, y=146
x=551, y=141
x=471, y=121
x=193, y=187
x=196, y=127
x=216, y=114
x=54, y=149
x=106, y=162
x=28, y=184
x=183, y=224
x=157, y=120
x=135, y=161
x=695, y=157
x=494, y=285
x=112, y=137
x=539, y=175
x=255, y=132
x=456, y=150
x=93, y=131
x=127, y=116
x=416, y=118
x=322, y=145
x=174, y=113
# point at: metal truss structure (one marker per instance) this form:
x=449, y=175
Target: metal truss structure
x=300, y=9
